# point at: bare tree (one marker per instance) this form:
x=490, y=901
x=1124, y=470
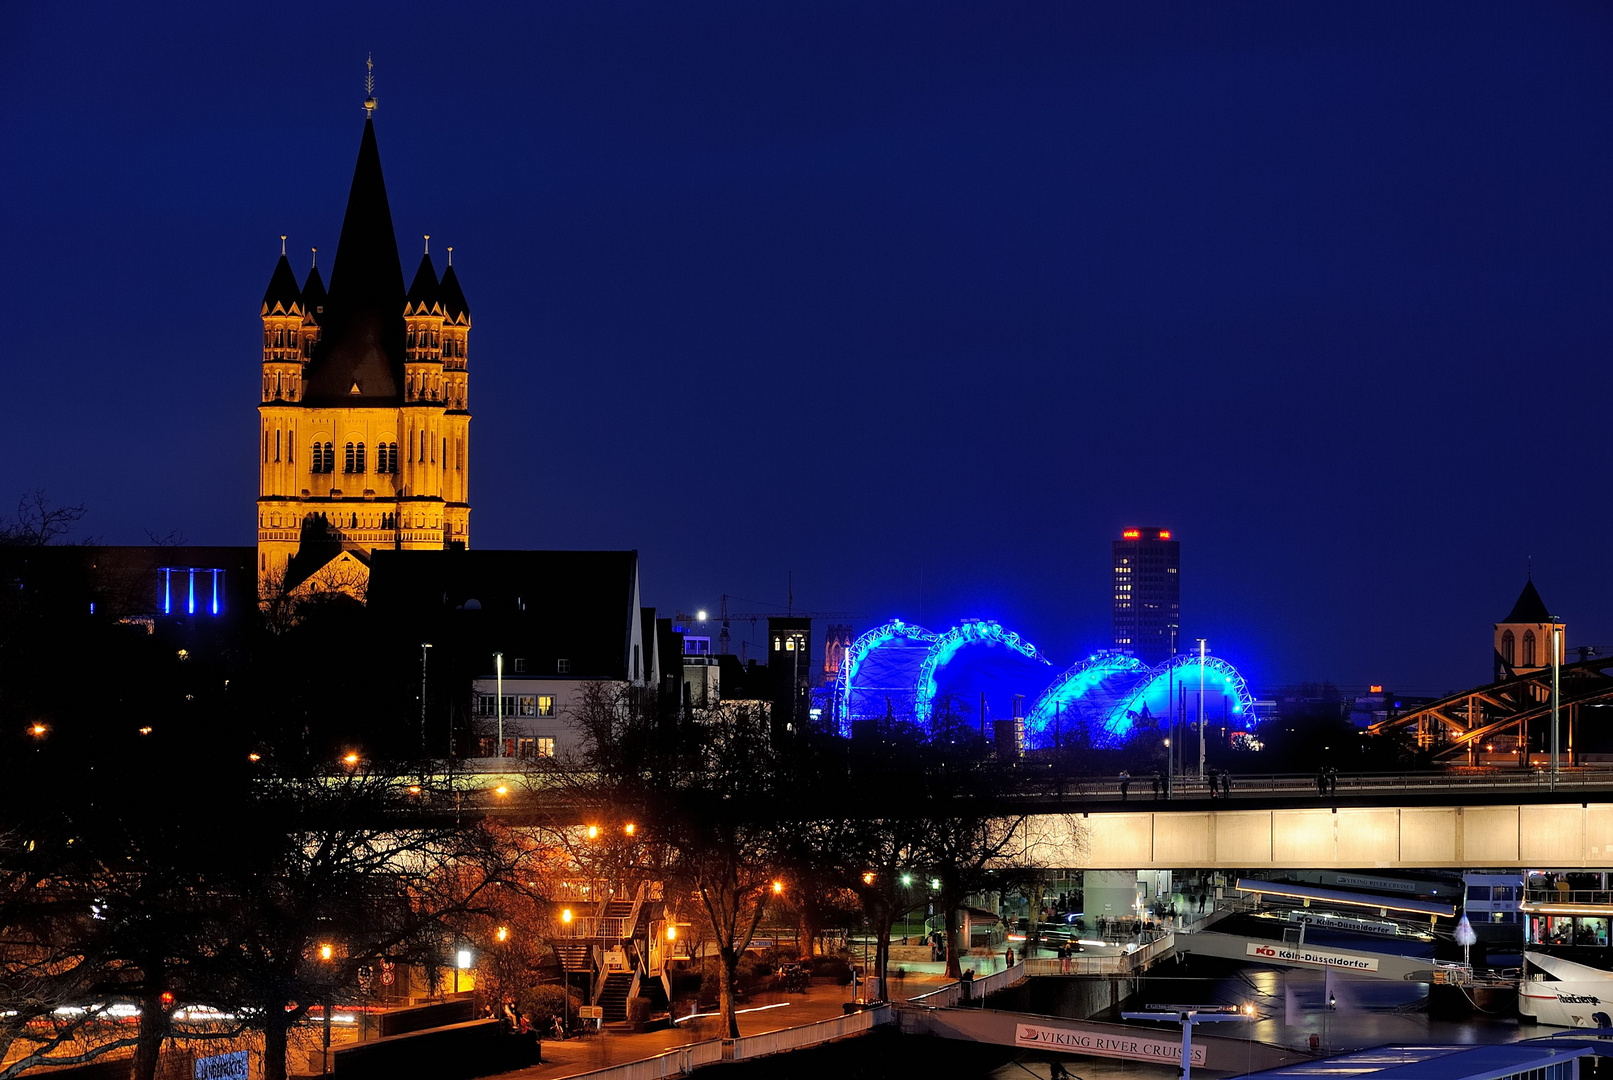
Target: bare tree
x=39, y=521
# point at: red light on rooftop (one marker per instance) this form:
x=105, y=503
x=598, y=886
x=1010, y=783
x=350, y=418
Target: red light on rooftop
x=1164, y=534
x=1131, y=534
x=1374, y=689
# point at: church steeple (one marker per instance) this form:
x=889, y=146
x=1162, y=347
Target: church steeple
x=360, y=430
x=360, y=352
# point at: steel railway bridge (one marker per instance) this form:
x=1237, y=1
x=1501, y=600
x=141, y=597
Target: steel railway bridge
x=1502, y=714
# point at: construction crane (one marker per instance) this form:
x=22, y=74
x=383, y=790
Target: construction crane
x=726, y=616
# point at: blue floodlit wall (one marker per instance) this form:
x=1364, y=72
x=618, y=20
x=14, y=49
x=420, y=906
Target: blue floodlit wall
x=1081, y=702
x=947, y=646
x=880, y=673
x=1152, y=696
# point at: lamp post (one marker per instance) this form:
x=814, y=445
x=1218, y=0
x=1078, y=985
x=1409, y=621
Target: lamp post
x=498, y=700
x=1556, y=691
x=1201, y=709
x=424, y=645
x=1187, y=1017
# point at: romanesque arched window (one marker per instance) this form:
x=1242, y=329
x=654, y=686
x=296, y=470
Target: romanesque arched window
x=358, y=460
x=1508, y=648
x=347, y=460
x=1528, y=648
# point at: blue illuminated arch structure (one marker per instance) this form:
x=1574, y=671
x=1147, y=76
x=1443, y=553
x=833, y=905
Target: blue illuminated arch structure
x=1082, y=702
x=945, y=647
x=879, y=674
x=1151, y=696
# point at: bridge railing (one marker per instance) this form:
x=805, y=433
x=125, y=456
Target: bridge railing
x=794, y=1038
x=953, y=993
x=1122, y=963
x=679, y=1062
x=1142, y=789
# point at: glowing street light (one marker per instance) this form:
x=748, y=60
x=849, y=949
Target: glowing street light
x=462, y=960
x=38, y=730
x=868, y=877
x=350, y=758
x=700, y=615
x=778, y=887
x=672, y=933
x=593, y=832
x=502, y=789
x=503, y=933
x=630, y=828
x=326, y=952
x=907, y=879
x=565, y=916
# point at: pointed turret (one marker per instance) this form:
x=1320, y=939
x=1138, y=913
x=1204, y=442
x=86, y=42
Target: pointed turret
x=313, y=293
x=360, y=353
x=453, y=297
x=424, y=293
x=282, y=297
x=1530, y=608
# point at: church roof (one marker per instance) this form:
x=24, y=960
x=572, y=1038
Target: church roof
x=359, y=357
x=282, y=292
x=1529, y=608
x=423, y=294
x=453, y=297
x=313, y=293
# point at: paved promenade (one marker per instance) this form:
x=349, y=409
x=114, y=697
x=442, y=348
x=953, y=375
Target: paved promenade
x=759, y=1013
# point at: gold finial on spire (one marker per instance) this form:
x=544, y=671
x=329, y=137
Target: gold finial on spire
x=282, y=243
x=450, y=254
x=428, y=243
x=369, y=87
x=315, y=263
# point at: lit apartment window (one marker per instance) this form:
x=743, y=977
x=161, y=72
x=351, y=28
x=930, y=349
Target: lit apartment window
x=545, y=705
x=546, y=748
x=528, y=705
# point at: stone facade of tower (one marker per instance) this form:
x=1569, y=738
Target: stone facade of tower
x=364, y=422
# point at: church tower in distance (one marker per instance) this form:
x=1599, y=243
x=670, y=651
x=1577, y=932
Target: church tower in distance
x=364, y=421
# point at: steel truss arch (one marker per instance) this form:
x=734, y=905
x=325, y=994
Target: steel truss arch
x=947, y=645
x=894, y=633
x=1084, y=696
x=1182, y=670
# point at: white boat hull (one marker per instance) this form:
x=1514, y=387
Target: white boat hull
x=1576, y=995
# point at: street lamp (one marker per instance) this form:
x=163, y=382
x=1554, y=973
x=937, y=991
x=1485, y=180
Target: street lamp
x=424, y=645
x=1556, y=691
x=778, y=887
x=1201, y=708
x=498, y=700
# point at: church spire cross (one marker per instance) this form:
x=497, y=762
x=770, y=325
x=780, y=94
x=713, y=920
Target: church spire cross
x=369, y=87
x=450, y=254
x=282, y=243
x=428, y=243
x=315, y=263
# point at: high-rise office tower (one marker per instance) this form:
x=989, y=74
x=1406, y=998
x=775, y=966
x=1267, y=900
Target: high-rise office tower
x=1147, y=612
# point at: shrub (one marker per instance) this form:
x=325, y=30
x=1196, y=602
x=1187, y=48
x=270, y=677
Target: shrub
x=543, y=1003
x=638, y=1011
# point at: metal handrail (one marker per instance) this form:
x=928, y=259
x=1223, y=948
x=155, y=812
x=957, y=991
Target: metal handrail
x=1536, y=895
x=1251, y=784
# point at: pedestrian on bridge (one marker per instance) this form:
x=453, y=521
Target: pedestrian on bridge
x=1125, y=784
x=1226, y=783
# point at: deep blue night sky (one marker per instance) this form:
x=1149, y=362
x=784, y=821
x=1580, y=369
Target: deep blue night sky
x=921, y=302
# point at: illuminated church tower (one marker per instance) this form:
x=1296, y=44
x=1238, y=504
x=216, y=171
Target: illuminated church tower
x=364, y=421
